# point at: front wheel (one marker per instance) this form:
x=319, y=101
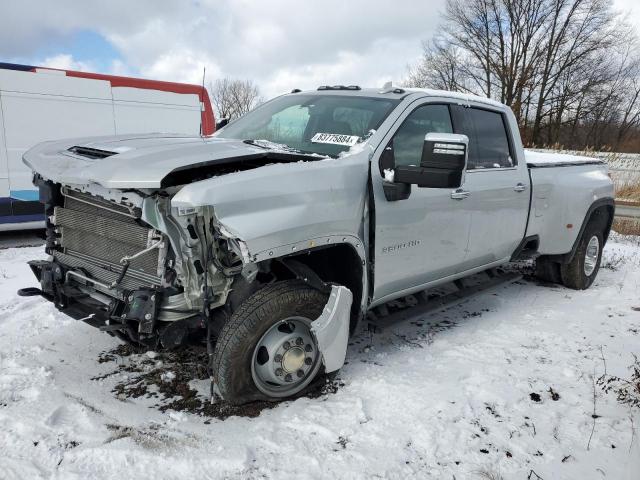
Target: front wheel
x=266, y=350
x=580, y=273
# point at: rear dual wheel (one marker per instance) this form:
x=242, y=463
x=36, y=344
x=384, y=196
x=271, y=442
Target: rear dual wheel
x=581, y=271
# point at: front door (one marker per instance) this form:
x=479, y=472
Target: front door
x=424, y=237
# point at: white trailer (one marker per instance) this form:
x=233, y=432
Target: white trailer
x=41, y=104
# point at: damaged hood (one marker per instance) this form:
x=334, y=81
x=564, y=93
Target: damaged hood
x=140, y=161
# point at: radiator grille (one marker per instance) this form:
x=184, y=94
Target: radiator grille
x=97, y=206
x=132, y=280
x=96, y=234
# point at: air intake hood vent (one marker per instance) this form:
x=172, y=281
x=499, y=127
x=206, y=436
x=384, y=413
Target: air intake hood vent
x=92, y=153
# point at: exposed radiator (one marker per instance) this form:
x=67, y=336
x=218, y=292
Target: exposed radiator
x=96, y=234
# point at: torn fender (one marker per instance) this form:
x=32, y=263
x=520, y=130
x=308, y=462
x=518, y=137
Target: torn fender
x=284, y=204
x=331, y=328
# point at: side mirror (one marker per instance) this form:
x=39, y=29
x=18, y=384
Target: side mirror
x=443, y=163
x=222, y=123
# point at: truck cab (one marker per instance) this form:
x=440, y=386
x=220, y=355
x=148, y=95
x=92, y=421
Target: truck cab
x=480, y=223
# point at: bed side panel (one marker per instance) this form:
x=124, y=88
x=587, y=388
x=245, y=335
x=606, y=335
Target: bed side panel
x=561, y=198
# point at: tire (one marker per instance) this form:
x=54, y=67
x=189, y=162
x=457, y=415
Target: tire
x=580, y=273
x=548, y=271
x=268, y=317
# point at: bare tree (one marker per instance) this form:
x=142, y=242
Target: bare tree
x=566, y=67
x=233, y=98
x=442, y=67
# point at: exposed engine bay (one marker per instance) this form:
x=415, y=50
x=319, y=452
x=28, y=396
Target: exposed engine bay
x=114, y=263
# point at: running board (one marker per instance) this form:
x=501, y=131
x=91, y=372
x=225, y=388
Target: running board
x=463, y=293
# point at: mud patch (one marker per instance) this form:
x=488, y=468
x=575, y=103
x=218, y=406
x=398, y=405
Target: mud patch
x=168, y=378
x=122, y=350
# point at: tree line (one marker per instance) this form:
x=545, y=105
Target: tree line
x=569, y=69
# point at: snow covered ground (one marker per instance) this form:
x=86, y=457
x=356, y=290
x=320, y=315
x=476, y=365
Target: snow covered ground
x=501, y=386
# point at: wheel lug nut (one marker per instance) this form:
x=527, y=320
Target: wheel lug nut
x=299, y=341
x=308, y=361
x=286, y=345
x=308, y=348
x=300, y=373
x=288, y=378
x=279, y=372
x=277, y=358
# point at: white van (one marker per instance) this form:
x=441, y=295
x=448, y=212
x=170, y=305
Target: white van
x=40, y=104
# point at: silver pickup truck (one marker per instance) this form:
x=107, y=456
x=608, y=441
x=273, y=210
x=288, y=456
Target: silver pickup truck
x=270, y=240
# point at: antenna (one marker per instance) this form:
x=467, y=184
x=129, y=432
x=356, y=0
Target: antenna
x=204, y=73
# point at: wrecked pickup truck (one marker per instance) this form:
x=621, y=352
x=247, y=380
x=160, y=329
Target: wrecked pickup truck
x=270, y=240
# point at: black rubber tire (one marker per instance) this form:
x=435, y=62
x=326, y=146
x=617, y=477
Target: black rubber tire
x=572, y=273
x=547, y=270
x=234, y=350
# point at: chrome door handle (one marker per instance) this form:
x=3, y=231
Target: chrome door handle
x=460, y=194
x=520, y=187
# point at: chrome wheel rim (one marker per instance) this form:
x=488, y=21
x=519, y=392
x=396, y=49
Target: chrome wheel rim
x=286, y=358
x=591, y=256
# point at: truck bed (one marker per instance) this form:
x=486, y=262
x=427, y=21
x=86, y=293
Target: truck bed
x=561, y=199
x=537, y=159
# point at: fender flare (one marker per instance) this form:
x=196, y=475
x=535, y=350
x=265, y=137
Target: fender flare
x=601, y=202
x=289, y=255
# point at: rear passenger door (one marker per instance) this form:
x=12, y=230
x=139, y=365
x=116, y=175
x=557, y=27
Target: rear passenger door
x=497, y=183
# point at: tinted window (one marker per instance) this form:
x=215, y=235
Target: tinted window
x=409, y=139
x=488, y=141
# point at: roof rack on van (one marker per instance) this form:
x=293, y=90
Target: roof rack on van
x=339, y=87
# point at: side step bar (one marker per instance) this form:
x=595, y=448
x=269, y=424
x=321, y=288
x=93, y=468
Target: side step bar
x=463, y=293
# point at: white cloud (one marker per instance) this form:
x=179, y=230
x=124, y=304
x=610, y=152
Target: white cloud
x=280, y=44
x=182, y=66
x=285, y=44
x=630, y=9
x=65, y=61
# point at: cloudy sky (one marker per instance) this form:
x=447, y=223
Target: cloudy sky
x=280, y=44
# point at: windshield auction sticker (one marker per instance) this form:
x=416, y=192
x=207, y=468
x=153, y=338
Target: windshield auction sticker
x=335, y=139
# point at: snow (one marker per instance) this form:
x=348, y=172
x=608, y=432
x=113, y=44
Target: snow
x=389, y=174
x=446, y=396
x=466, y=97
x=537, y=158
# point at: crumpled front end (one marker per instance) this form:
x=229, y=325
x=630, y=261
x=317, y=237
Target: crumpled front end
x=124, y=263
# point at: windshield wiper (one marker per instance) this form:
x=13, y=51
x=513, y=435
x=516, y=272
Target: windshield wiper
x=268, y=145
x=255, y=143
